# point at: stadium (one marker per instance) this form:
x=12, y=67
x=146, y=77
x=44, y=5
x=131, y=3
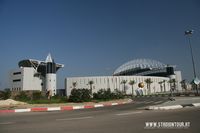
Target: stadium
x=41, y=75
x=144, y=67
x=138, y=70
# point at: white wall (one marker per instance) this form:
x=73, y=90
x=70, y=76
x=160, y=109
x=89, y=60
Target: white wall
x=16, y=85
x=178, y=79
x=31, y=82
x=114, y=82
x=28, y=80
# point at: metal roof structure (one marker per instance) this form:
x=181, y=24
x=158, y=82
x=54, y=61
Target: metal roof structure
x=138, y=65
x=39, y=66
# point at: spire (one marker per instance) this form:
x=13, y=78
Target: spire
x=49, y=59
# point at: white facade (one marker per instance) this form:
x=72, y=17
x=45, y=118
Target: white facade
x=114, y=82
x=178, y=79
x=25, y=78
x=35, y=75
x=51, y=83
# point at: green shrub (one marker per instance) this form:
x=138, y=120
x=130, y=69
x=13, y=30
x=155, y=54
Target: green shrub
x=37, y=95
x=106, y=94
x=118, y=94
x=5, y=94
x=80, y=95
x=60, y=99
x=22, y=96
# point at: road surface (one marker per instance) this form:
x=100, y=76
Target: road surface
x=129, y=118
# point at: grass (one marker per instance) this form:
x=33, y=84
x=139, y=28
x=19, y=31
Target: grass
x=46, y=101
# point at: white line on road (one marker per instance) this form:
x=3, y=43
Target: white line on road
x=129, y=113
x=6, y=123
x=148, y=101
x=158, y=102
x=79, y=118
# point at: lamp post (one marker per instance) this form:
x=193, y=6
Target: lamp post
x=189, y=33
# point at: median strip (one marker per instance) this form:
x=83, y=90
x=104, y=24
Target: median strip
x=65, y=108
x=173, y=106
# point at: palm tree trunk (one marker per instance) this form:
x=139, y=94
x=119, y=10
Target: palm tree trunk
x=132, y=90
x=164, y=87
x=91, y=89
x=124, y=89
x=148, y=89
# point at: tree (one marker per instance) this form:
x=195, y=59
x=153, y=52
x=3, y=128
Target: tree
x=124, y=83
x=183, y=84
x=132, y=82
x=164, y=85
x=160, y=83
x=148, y=81
x=172, y=83
x=80, y=95
x=194, y=86
x=91, y=83
x=74, y=84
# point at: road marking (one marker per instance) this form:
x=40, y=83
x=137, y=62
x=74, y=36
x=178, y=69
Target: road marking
x=148, y=101
x=79, y=118
x=158, y=102
x=129, y=113
x=6, y=123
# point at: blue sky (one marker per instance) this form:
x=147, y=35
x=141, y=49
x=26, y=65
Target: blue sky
x=94, y=37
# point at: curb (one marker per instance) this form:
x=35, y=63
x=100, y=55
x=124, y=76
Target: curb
x=173, y=106
x=63, y=108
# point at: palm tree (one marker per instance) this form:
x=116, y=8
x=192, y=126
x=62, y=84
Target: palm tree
x=164, y=85
x=148, y=81
x=124, y=83
x=183, y=84
x=74, y=84
x=172, y=83
x=132, y=82
x=161, y=82
x=195, y=85
x=91, y=83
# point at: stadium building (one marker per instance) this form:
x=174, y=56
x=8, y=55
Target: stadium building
x=35, y=75
x=138, y=70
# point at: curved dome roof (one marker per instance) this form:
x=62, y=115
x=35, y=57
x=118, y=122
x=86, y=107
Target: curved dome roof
x=139, y=64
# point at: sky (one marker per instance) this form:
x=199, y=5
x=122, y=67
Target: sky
x=94, y=37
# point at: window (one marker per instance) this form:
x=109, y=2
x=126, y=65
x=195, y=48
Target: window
x=16, y=80
x=16, y=73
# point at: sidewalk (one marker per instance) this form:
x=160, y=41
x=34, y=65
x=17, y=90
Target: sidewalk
x=179, y=102
x=59, y=107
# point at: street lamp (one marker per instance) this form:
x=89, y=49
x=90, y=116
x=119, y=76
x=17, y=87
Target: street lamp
x=189, y=33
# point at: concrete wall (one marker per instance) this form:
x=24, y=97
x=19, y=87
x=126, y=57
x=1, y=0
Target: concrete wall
x=26, y=79
x=13, y=76
x=114, y=82
x=178, y=79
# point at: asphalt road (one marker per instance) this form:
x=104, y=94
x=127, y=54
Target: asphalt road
x=128, y=118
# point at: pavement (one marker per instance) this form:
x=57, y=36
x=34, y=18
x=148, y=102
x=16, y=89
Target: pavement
x=127, y=118
x=177, y=103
